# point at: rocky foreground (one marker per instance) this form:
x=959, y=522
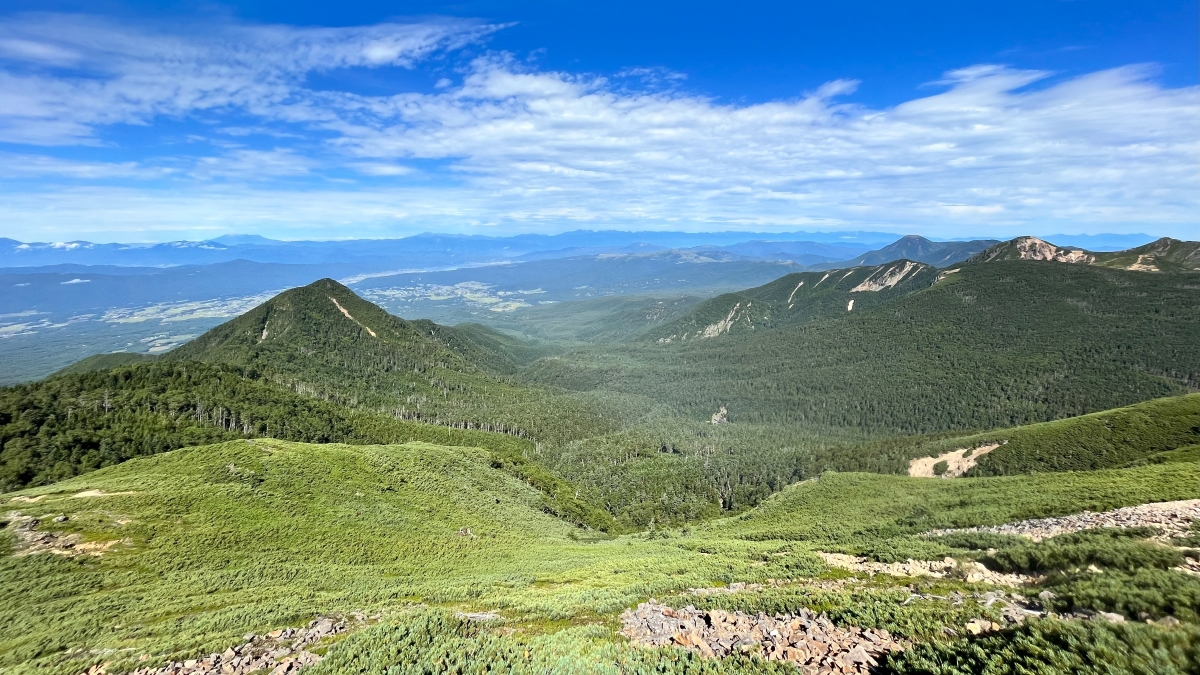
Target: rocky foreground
x=279, y=652
x=809, y=640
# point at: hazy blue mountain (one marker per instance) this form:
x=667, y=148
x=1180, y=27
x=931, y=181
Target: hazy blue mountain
x=419, y=251
x=919, y=249
x=1101, y=242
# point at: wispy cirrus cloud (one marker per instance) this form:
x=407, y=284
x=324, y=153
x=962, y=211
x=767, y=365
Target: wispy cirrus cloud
x=986, y=146
x=70, y=74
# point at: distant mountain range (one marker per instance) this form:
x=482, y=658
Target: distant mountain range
x=423, y=250
x=51, y=315
x=918, y=249
x=427, y=251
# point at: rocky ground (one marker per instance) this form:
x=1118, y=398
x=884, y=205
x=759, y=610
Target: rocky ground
x=1172, y=518
x=279, y=652
x=31, y=540
x=806, y=639
x=969, y=571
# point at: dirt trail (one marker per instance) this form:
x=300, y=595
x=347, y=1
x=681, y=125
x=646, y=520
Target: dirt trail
x=957, y=462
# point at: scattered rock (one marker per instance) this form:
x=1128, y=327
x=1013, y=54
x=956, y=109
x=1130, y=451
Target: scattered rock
x=972, y=572
x=31, y=541
x=1172, y=518
x=809, y=640
x=478, y=616
x=279, y=652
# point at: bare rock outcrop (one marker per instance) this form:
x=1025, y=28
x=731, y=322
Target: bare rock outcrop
x=31, y=540
x=811, y=641
x=970, y=571
x=279, y=652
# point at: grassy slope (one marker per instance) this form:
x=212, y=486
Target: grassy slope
x=848, y=510
x=1103, y=440
x=67, y=425
x=247, y=535
x=250, y=535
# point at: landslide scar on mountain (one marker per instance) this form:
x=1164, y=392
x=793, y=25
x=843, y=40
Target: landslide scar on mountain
x=957, y=462
x=348, y=316
x=885, y=278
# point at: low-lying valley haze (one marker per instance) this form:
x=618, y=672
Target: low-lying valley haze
x=537, y=338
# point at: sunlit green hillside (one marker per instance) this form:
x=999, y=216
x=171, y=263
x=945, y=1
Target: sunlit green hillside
x=202, y=545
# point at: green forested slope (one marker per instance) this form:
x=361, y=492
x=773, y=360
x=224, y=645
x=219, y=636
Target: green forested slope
x=993, y=345
x=796, y=299
x=67, y=425
x=1162, y=255
x=105, y=362
x=920, y=249
x=325, y=342
x=595, y=320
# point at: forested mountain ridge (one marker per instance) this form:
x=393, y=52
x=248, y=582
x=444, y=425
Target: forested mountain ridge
x=992, y=345
x=324, y=341
x=798, y=298
x=917, y=248
x=1162, y=255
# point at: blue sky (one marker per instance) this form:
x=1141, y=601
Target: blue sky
x=154, y=121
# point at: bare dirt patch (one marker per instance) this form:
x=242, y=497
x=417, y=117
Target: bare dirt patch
x=31, y=540
x=957, y=462
x=99, y=493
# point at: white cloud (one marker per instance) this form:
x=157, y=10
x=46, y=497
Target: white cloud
x=381, y=169
x=136, y=73
x=13, y=165
x=986, y=147
x=252, y=165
